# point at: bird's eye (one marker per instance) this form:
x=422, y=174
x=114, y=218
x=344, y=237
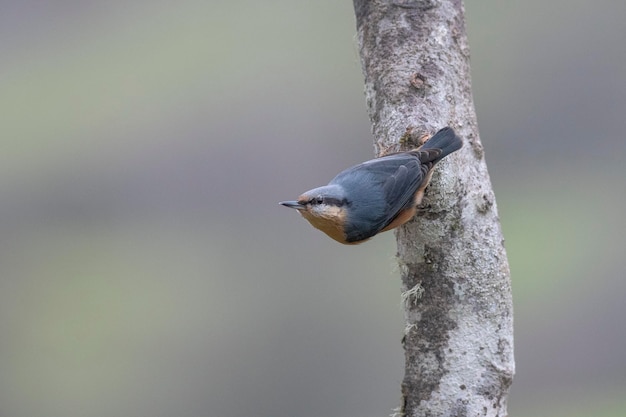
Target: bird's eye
x=318, y=200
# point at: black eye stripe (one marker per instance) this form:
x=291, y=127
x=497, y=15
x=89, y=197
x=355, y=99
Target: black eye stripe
x=331, y=201
x=334, y=201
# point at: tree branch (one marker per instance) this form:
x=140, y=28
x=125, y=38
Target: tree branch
x=455, y=276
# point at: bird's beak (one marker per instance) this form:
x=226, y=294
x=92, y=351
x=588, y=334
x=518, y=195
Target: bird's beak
x=293, y=205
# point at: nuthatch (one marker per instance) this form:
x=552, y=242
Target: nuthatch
x=376, y=195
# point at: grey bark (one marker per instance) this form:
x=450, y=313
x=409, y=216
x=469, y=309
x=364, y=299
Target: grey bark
x=455, y=276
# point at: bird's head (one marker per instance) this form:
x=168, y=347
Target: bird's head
x=325, y=208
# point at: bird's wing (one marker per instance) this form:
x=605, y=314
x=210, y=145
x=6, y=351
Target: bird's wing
x=401, y=185
x=399, y=175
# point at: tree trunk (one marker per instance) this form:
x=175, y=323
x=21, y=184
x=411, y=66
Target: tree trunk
x=456, y=283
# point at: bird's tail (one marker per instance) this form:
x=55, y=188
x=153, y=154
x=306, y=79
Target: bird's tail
x=444, y=142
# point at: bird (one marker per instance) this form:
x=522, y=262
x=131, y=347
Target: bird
x=376, y=195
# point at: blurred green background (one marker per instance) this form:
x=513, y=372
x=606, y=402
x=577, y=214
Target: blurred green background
x=146, y=268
